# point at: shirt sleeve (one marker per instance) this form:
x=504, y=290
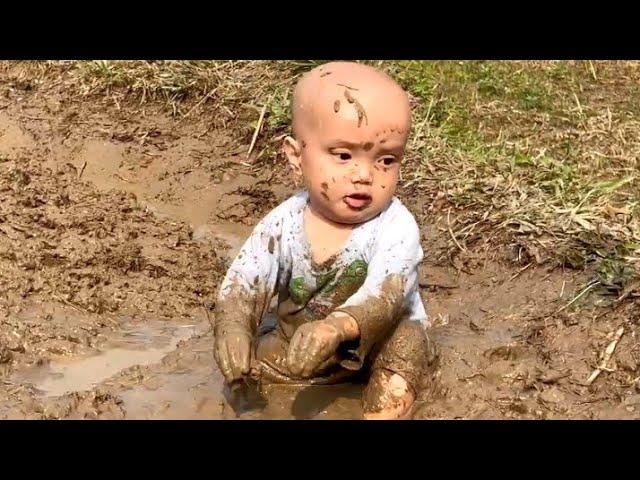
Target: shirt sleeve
x=249, y=284
x=388, y=290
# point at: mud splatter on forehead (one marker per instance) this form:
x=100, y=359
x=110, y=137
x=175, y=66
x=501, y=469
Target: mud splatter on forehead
x=347, y=86
x=363, y=83
x=362, y=114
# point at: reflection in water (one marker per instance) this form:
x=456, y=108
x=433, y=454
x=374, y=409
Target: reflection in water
x=145, y=346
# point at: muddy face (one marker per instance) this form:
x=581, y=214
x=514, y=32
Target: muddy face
x=350, y=179
x=341, y=117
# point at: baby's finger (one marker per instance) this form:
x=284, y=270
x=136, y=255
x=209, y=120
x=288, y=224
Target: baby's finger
x=223, y=364
x=245, y=364
x=312, y=350
x=307, y=359
x=332, y=360
x=295, y=353
x=238, y=350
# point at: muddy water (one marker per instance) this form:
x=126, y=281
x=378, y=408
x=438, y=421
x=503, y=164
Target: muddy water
x=191, y=388
x=167, y=372
x=143, y=345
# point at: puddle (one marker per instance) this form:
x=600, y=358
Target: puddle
x=188, y=396
x=187, y=385
x=142, y=346
x=319, y=402
x=200, y=394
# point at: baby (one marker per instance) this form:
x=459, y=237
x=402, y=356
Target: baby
x=342, y=255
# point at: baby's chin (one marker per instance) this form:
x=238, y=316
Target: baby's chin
x=354, y=217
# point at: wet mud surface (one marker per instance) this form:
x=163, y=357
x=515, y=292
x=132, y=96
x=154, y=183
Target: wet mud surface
x=116, y=227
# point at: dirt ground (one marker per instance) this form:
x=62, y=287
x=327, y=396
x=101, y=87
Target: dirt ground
x=116, y=226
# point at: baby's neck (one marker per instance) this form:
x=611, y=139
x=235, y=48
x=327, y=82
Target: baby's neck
x=326, y=237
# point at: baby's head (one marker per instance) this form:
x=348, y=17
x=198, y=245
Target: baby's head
x=350, y=128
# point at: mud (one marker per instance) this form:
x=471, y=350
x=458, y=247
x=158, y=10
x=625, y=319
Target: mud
x=385, y=391
x=358, y=106
x=116, y=226
x=375, y=318
x=140, y=345
x=409, y=353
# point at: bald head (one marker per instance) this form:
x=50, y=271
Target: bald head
x=347, y=91
x=351, y=124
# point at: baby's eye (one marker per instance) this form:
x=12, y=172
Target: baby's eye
x=388, y=161
x=342, y=155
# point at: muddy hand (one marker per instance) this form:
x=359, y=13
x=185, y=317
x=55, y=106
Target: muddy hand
x=313, y=344
x=233, y=352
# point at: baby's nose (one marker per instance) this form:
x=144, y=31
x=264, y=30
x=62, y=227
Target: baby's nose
x=362, y=172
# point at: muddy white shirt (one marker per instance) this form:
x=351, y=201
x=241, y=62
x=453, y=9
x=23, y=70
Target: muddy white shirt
x=359, y=279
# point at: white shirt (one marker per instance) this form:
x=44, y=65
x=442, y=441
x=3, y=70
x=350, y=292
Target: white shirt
x=277, y=259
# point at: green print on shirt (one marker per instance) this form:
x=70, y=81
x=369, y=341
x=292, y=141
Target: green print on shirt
x=328, y=294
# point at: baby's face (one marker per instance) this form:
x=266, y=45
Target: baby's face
x=350, y=162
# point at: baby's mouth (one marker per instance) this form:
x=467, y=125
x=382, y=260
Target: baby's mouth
x=357, y=201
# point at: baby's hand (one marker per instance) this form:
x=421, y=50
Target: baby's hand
x=232, y=352
x=316, y=342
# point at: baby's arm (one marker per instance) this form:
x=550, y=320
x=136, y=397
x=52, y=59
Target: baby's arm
x=387, y=293
x=244, y=297
x=374, y=309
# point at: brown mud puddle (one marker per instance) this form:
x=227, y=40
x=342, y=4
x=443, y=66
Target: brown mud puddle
x=162, y=371
x=142, y=345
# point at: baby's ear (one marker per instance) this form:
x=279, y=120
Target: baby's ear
x=293, y=151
